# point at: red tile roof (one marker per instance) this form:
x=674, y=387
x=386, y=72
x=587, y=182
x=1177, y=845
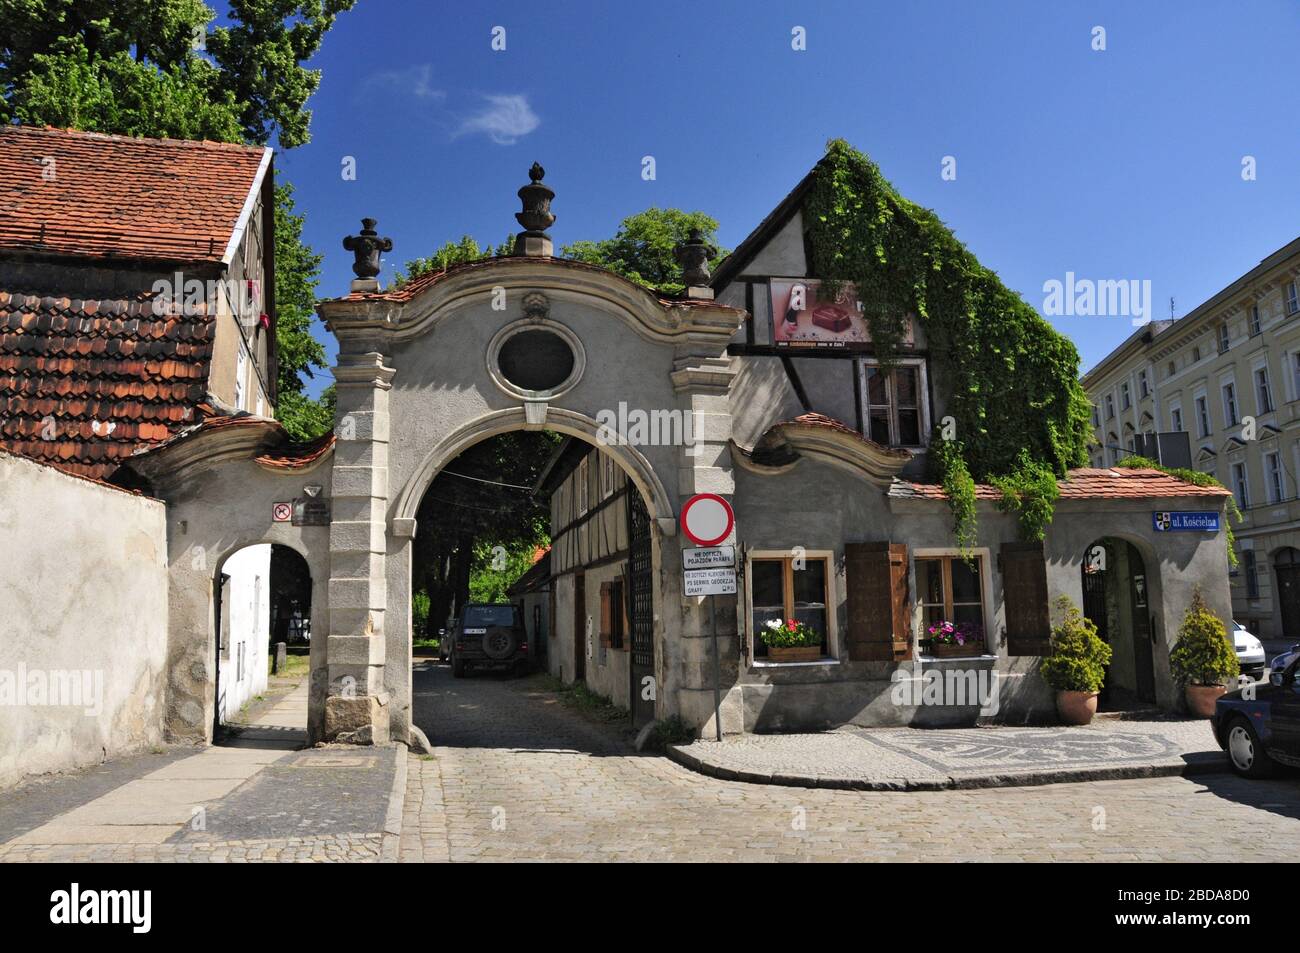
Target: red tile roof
x=83, y=384
x=90, y=195
x=1120, y=483
x=294, y=456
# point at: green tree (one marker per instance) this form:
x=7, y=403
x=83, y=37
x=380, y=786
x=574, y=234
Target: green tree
x=453, y=253
x=643, y=247
x=138, y=68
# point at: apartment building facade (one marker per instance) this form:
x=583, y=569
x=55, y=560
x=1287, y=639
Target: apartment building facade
x=1228, y=376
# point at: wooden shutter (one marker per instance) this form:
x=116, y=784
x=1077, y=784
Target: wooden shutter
x=1024, y=597
x=878, y=609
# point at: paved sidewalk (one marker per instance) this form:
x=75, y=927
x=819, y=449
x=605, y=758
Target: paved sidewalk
x=919, y=759
x=257, y=796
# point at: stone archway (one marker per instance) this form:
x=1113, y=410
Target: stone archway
x=421, y=375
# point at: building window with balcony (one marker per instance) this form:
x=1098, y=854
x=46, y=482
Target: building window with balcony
x=1240, y=485
x=894, y=405
x=1230, y=405
x=1263, y=393
x=1225, y=340
x=1254, y=320
x=1274, y=482
x=1292, y=298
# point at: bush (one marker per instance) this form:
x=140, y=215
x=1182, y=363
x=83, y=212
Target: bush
x=1079, y=656
x=1203, y=654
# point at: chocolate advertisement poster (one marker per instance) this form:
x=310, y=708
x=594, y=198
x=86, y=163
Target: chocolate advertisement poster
x=803, y=317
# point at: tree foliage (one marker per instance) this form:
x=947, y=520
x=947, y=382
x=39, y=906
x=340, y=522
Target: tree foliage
x=643, y=248
x=453, y=253
x=155, y=68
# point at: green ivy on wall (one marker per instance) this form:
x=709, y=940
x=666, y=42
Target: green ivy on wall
x=1009, y=379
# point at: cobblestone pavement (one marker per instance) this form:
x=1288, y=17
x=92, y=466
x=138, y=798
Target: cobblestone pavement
x=517, y=776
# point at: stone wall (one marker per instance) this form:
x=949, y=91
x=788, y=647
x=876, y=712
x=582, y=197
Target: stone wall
x=83, y=621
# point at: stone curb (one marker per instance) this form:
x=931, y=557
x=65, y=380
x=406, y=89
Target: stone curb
x=392, y=839
x=1205, y=764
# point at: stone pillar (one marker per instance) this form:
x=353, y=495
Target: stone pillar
x=356, y=707
x=703, y=383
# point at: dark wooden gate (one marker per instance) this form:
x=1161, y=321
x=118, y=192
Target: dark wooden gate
x=641, y=672
x=1287, y=565
x=1143, y=656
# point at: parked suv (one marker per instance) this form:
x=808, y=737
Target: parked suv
x=489, y=636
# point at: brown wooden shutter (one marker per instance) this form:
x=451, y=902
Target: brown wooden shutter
x=878, y=609
x=1024, y=597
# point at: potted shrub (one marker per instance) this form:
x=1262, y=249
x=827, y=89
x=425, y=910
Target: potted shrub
x=956, y=639
x=791, y=641
x=1203, y=658
x=1076, y=665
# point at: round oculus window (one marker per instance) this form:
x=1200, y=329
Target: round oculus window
x=535, y=360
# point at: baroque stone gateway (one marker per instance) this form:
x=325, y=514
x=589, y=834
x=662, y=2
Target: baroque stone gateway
x=819, y=448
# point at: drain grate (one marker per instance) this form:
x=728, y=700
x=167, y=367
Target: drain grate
x=336, y=761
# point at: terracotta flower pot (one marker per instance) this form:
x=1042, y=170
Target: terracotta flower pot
x=1201, y=698
x=1076, y=708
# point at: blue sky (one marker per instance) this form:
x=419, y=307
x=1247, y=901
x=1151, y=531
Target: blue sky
x=1124, y=163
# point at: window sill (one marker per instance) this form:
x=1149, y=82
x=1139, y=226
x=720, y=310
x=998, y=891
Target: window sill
x=764, y=663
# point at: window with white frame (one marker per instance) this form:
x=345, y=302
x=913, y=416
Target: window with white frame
x=1096, y=416
x=608, y=475
x=785, y=587
x=1172, y=369
x=1274, y=482
x=1294, y=358
x=1254, y=320
x=894, y=403
x=1225, y=337
x=1110, y=407
x=580, y=485
x=1202, y=416
x=1196, y=354
x=1241, y=485
x=1292, y=298
x=1143, y=389
x=1263, y=393
x=1229, y=404
x=1176, y=418
x=241, y=371
x=1125, y=402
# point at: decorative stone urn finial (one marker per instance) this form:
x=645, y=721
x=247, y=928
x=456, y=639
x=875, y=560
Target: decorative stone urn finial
x=536, y=216
x=694, y=257
x=366, y=247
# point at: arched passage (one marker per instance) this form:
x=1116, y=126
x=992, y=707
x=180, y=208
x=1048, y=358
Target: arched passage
x=1118, y=598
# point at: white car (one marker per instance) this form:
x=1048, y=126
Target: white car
x=1250, y=651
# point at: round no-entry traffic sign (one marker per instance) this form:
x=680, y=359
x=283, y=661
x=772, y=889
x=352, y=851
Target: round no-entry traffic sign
x=707, y=519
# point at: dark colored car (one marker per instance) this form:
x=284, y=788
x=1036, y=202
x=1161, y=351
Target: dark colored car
x=1258, y=725
x=1283, y=659
x=489, y=636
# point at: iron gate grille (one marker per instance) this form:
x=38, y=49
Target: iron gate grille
x=639, y=571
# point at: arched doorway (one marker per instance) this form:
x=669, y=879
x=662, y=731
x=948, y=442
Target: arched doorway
x=1286, y=566
x=563, y=512
x=262, y=595
x=1116, y=597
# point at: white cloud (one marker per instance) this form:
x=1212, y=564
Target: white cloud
x=504, y=118
x=414, y=81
